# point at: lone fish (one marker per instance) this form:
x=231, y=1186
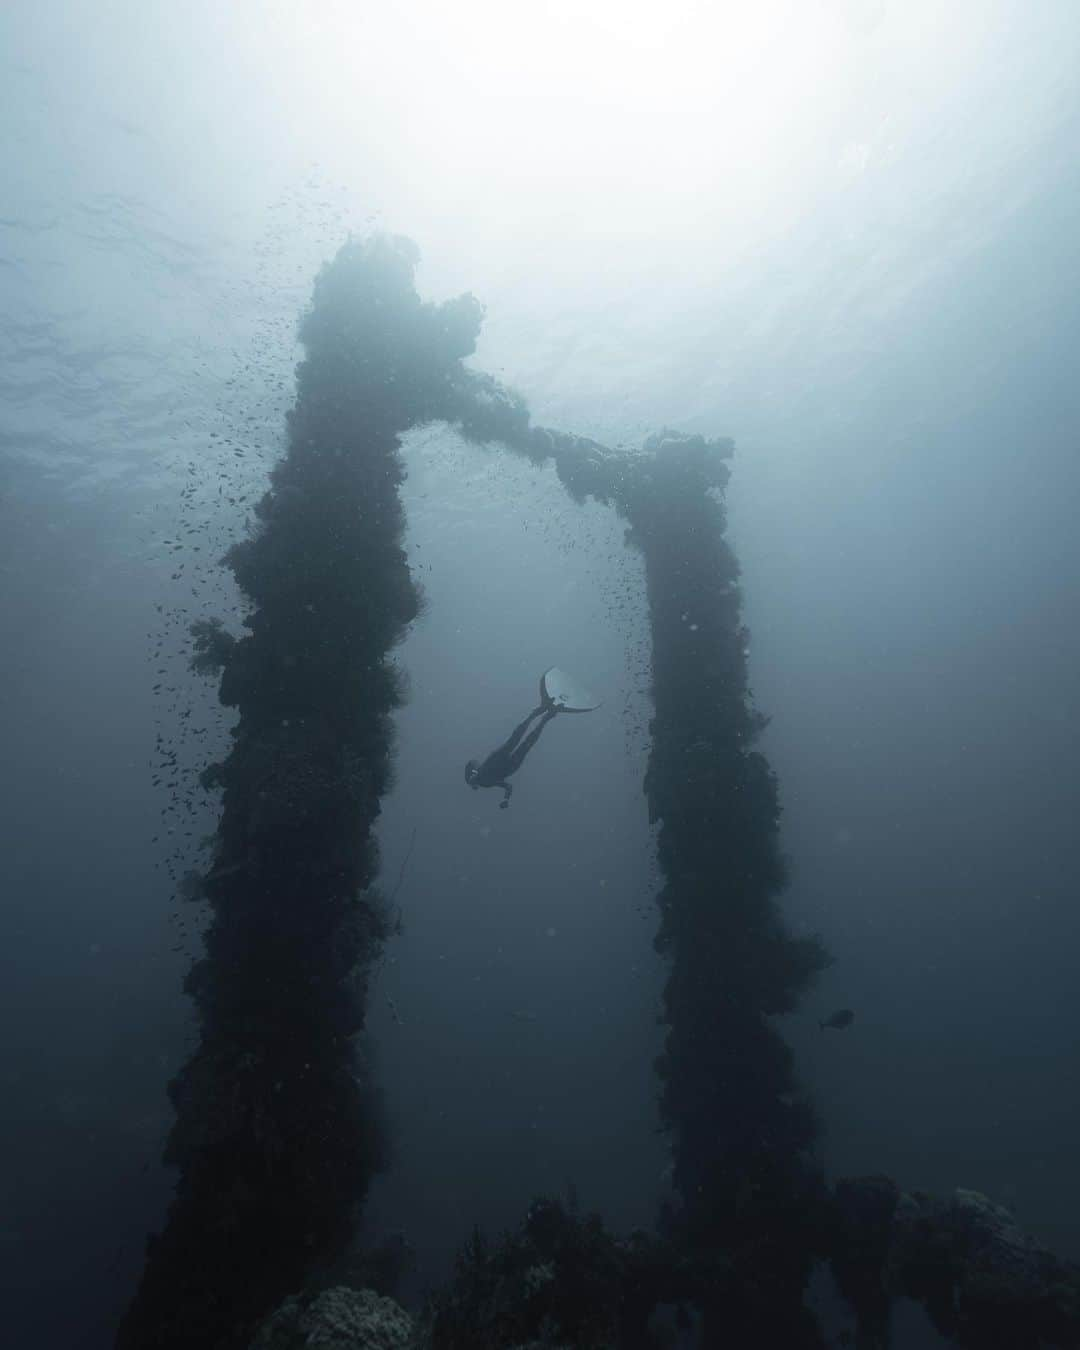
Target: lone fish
x=843, y=1017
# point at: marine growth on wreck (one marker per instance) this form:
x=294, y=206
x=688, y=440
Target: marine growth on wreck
x=278, y=1131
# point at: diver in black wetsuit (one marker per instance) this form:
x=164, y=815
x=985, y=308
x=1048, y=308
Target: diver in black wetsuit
x=508, y=758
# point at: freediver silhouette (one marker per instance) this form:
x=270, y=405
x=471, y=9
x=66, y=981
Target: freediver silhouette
x=496, y=769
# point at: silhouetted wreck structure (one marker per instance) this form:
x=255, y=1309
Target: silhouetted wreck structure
x=278, y=1131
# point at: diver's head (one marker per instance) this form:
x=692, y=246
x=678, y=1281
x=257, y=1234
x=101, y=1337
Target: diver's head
x=472, y=772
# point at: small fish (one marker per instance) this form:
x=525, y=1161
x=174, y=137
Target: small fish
x=843, y=1017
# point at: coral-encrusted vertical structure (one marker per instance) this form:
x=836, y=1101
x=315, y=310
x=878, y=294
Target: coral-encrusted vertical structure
x=276, y=1136
x=741, y=1138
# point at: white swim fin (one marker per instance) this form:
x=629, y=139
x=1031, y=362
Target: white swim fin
x=567, y=694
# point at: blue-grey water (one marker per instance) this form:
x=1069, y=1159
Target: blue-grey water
x=842, y=233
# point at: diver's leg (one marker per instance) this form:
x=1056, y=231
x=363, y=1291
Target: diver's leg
x=518, y=757
x=511, y=741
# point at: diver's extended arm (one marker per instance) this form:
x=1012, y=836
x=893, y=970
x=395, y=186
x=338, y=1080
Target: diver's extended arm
x=508, y=789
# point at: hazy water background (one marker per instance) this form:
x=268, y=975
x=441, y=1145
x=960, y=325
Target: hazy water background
x=842, y=233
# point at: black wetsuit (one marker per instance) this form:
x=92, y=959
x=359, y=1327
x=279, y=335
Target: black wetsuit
x=508, y=758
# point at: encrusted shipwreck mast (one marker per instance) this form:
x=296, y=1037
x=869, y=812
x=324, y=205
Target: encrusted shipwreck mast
x=742, y=1138
x=277, y=1134
x=277, y=1131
